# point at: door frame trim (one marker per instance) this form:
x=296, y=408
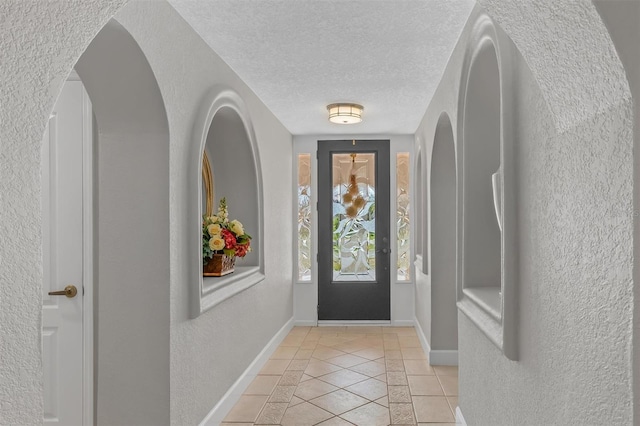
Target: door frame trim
x=87, y=255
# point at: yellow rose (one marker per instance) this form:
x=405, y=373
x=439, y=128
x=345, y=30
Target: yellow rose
x=214, y=229
x=236, y=227
x=216, y=243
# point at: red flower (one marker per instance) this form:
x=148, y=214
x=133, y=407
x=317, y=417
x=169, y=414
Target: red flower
x=229, y=239
x=242, y=249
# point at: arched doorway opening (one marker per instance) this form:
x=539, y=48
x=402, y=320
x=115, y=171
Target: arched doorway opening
x=444, y=314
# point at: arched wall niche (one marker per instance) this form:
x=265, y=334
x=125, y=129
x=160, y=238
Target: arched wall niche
x=131, y=230
x=224, y=129
x=486, y=270
x=442, y=205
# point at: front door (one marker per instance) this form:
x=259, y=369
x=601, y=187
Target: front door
x=63, y=298
x=353, y=224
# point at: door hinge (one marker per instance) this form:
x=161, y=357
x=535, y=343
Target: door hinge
x=318, y=309
x=317, y=257
x=316, y=206
x=317, y=155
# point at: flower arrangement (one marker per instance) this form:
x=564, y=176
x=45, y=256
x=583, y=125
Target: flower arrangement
x=221, y=236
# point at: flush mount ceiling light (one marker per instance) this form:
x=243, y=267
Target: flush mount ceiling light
x=343, y=113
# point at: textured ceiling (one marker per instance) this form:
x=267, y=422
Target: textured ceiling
x=299, y=56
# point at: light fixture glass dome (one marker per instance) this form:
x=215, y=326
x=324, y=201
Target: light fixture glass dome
x=345, y=113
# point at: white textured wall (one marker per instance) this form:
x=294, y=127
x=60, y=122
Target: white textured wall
x=39, y=43
x=209, y=353
x=575, y=165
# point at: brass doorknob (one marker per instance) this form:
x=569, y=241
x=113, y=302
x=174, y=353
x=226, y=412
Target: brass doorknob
x=70, y=291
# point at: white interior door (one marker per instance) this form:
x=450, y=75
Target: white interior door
x=67, y=394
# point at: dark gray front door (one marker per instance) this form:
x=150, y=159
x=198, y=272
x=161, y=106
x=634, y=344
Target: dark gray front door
x=353, y=220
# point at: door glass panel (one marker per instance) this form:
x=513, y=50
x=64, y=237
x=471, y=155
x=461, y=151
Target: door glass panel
x=354, y=221
x=304, y=217
x=402, y=216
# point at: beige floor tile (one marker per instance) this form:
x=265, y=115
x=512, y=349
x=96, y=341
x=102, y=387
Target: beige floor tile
x=365, y=329
x=284, y=352
x=370, y=353
x=331, y=341
x=413, y=353
x=246, y=409
x=236, y=424
x=382, y=377
x=384, y=401
x=339, y=402
x=396, y=378
x=402, y=414
x=343, y=378
x=453, y=403
x=295, y=401
x=431, y=409
x=409, y=342
x=304, y=414
x=298, y=364
x=313, y=388
x=371, y=414
x=292, y=340
x=446, y=370
x=275, y=367
x=350, y=347
x=290, y=378
x=336, y=421
x=309, y=344
x=303, y=329
x=371, y=389
x=424, y=385
x=392, y=354
x=282, y=394
x=370, y=368
x=347, y=360
x=305, y=377
x=262, y=385
x=312, y=337
x=391, y=345
x=322, y=353
x=394, y=364
x=403, y=331
x=320, y=368
x=399, y=394
x=352, y=335
x=418, y=367
x=449, y=385
x=303, y=354
x=271, y=413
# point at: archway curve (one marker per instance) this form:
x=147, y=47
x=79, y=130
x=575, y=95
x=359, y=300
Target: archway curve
x=442, y=206
x=131, y=251
x=224, y=104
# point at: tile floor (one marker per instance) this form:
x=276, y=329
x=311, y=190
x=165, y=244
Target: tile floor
x=334, y=376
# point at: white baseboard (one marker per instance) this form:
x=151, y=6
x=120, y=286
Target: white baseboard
x=421, y=336
x=436, y=357
x=459, y=418
x=403, y=323
x=304, y=323
x=226, y=403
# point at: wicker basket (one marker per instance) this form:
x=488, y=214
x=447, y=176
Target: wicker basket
x=218, y=265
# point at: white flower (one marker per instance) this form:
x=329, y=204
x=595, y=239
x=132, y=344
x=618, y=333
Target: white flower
x=236, y=227
x=216, y=243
